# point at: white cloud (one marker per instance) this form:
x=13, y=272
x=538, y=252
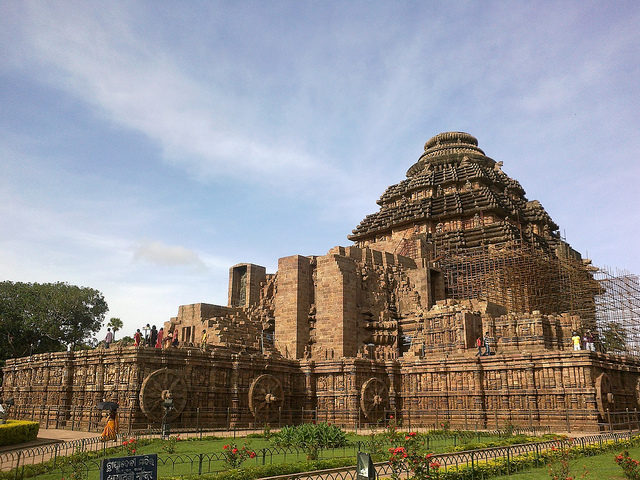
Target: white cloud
x=97, y=57
x=169, y=255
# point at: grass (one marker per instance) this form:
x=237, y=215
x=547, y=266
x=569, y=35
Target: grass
x=598, y=467
x=193, y=454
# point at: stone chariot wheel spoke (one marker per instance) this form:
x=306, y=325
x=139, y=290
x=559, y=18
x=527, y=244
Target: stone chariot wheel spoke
x=374, y=399
x=265, y=397
x=154, y=388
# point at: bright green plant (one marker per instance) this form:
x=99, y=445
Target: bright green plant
x=321, y=435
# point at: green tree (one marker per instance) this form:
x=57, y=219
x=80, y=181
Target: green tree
x=614, y=338
x=115, y=324
x=38, y=318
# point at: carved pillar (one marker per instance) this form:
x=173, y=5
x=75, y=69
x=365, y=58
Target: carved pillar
x=235, y=392
x=532, y=391
x=390, y=368
x=480, y=402
x=309, y=386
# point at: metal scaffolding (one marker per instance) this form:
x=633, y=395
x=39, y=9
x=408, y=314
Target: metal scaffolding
x=523, y=278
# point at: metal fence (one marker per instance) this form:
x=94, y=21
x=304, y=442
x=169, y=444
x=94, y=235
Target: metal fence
x=36, y=455
x=190, y=464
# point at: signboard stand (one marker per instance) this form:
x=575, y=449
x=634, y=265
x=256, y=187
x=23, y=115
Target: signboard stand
x=366, y=470
x=137, y=467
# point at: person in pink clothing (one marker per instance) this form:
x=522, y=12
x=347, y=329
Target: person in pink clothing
x=159, y=340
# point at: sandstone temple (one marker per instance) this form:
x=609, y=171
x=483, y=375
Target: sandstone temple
x=385, y=326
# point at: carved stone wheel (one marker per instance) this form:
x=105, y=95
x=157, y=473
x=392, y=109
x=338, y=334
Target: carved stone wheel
x=604, y=394
x=158, y=386
x=374, y=399
x=265, y=397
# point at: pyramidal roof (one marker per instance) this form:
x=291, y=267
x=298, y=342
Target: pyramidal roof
x=455, y=193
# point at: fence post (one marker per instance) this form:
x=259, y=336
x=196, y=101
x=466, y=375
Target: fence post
x=508, y=461
x=200, y=464
x=18, y=463
x=473, y=468
x=537, y=454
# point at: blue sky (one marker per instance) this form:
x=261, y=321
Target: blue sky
x=145, y=147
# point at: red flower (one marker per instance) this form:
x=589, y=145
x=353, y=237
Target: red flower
x=125, y=443
x=390, y=417
x=435, y=465
x=252, y=455
x=429, y=455
x=407, y=437
x=133, y=451
x=413, y=434
x=225, y=447
x=234, y=451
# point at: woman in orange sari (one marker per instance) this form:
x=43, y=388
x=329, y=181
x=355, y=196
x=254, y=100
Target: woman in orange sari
x=110, y=431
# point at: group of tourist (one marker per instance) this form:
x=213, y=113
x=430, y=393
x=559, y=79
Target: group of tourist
x=152, y=338
x=586, y=342
x=483, y=341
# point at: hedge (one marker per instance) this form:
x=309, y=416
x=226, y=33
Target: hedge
x=18, y=431
x=261, y=471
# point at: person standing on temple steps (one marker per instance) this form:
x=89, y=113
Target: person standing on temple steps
x=487, y=346
x=576, y=341
x=479, y=345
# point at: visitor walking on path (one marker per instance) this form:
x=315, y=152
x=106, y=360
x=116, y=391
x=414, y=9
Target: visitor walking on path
x=108, y=339
x=479, y=345
x=110, y=431
x=159, y=339
x=174, y=339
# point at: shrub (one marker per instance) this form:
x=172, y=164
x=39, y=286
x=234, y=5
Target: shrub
x=630, y=467
x=18, y=431
x=321, y=435
x=234, y=456
x=261, y=471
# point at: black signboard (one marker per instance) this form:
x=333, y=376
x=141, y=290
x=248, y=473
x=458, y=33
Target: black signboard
x=366, y=470
x=138, y=467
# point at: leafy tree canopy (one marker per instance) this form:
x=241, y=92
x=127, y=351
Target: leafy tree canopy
x=38, y=318
x=614, y=338
x=115, y=324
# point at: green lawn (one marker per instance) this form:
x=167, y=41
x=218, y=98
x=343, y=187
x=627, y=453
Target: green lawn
x=598, y=467
x=194, y=455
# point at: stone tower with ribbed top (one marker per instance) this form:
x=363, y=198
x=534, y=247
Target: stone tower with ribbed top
x=455, y=197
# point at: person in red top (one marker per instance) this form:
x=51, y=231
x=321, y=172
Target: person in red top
x=479, y=345
x=137, y=338
x=159, y=340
